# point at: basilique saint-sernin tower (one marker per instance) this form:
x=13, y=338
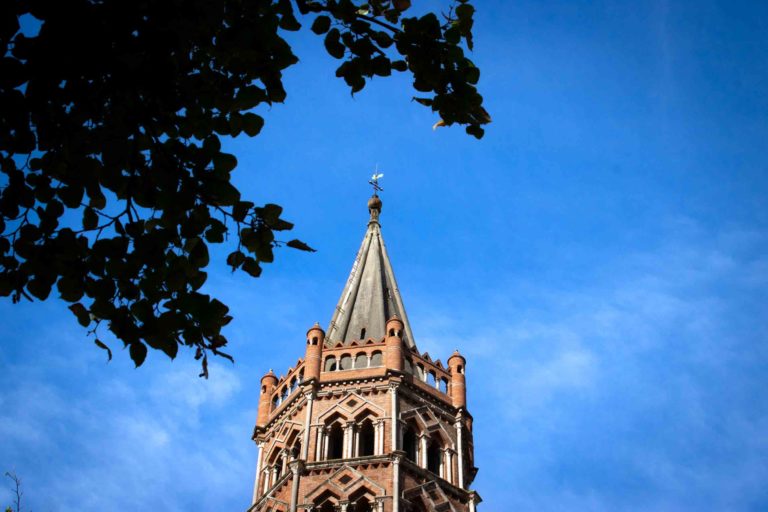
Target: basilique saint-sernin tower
x=364, y=422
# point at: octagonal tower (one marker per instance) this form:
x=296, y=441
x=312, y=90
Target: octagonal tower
x=365, y=422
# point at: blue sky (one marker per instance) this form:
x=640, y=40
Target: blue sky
x=599, y=257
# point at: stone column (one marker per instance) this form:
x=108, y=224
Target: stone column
x=379, y=506
x=310, y=395
x=265, y=480
x=423, y=450
x=393, y=407
x=296, y=467
x=326, y=431
x=347, y=444
x=319, y=444
x=460, y=443
x=379, y=444
x=472, y=504
x=448, y=465
x=355, y=436
x=396, y=484
x=258, y=470
x=343, y=505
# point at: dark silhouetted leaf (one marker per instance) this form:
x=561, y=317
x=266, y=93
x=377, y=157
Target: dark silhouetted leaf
x=298, y=244
x=100, y=344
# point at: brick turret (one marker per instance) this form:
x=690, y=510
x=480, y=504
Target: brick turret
x=268, y=385
x=394, y=344
x=314, y=353
x=457, y=365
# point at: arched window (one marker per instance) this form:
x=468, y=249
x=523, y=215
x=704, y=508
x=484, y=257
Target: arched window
x=335, y=442
x=431, y=379
x=360, y=500
x=376, y=359
x=330, y=364
x=434, y=456
x=408, y=366
x=296, y=450
x=366, y=439
x=278, y=465
x=294, y=384
x=420, y=371
x=460, y=368
x=410, y=443
x=327, y=507
x=301, y=376
x=361, y=505
x=361, y=360
x=275, y=401
x=346, y=362
x=284, y=394
x=444, y=385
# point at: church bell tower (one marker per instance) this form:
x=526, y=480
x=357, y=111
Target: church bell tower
x=365, y=422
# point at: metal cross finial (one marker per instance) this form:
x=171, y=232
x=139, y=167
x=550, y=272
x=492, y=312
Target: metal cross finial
x=374, y=181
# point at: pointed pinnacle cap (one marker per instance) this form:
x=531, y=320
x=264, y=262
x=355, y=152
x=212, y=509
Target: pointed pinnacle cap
x=370, y=296
x=316, y=327
x=456, y=354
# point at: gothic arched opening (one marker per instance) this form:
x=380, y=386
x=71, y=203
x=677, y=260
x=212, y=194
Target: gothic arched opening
x=410, y=443
x=336, y=442
x=361, y=505
x=361, y=501
x=367, y=436
x=434, y=456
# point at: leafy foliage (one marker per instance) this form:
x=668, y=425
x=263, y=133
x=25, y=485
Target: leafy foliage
x=111, y=115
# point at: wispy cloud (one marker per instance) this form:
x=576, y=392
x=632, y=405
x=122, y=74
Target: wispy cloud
x=639, y=391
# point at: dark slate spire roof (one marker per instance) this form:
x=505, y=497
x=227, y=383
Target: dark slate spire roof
x=370, y=296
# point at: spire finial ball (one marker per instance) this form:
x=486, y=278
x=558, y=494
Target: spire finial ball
x=374, y=203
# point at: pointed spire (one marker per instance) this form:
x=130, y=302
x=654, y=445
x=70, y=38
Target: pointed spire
x=370, y=296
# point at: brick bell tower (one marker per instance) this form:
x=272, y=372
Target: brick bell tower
x=365, y=422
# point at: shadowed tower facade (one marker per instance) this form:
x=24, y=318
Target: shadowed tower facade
x=365, y=422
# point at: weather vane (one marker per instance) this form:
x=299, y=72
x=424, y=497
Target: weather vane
x=375, y=180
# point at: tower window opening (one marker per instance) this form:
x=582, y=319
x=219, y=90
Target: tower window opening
x=391, y=332
x=362, y=333
x=361, y=360
x=335, y=442
x=434, y=456
x=410, y=443
x=361, y=505
x=314, y=340
x=346, y=362
x=366, y=439
x=460, y=369
x=420, y=371
x=330, y=364
x=296, y=450
x=376, y=359
x=263, y=389
x=327, y=507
